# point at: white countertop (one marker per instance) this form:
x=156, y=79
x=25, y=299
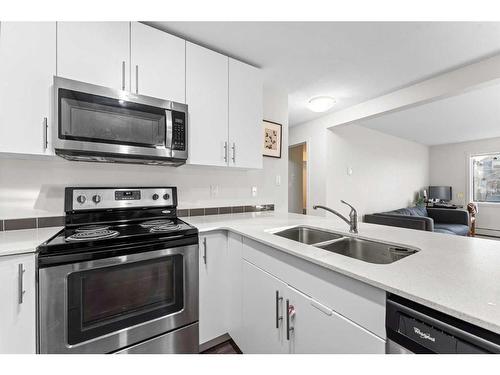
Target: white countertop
x=23, y=241
x=456, y=275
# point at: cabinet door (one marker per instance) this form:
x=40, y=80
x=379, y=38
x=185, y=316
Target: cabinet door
x=27, y=67
x=262, y=328
x=213, y=286
x=94, y=52
x=207, y=99
x=158, y=62
x=318, y=329
x=17, y=325
x=245, y=115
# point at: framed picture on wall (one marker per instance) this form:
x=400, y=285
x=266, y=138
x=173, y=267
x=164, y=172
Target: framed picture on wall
x=272, y=132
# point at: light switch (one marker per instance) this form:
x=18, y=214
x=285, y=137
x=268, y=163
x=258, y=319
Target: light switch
x=254, y=191
x=214, y=191
x=278, y=180
x=349, y=171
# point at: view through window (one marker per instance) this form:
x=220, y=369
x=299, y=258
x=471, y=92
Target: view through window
x=486, y=178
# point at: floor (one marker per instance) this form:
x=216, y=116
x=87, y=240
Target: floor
x=227, y=347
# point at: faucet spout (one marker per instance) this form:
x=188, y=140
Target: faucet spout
x=353, y=216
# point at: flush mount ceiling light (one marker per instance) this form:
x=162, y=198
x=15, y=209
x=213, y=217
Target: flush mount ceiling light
x=321, y=103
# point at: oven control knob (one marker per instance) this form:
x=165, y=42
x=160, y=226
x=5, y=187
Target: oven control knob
x=155, y=196
x=96, y=198
x=166, y=196
x=81, y=199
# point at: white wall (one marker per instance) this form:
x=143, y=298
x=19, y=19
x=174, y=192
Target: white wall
x=30, y=188
x=387, y=171
x=449, y=166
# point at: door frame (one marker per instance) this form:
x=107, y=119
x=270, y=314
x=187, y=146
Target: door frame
x=307, y=142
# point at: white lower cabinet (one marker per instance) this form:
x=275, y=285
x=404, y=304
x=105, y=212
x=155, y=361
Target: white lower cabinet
x=317, y=329
x=245, y=288
x=263, y=312
x=312, y=327
x=214, y=286
x=18, y=307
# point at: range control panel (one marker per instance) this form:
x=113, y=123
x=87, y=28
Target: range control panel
x=107, y=198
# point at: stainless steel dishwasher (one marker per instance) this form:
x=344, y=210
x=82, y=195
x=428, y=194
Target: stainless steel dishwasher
x=414, y=328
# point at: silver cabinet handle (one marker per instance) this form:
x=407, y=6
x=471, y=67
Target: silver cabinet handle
x=225, y=152
x=123, y=75
x=205, y=250
x=234, y=153
x=45, y=133
x=21, y=291
x=290, y=311
x=278, y=317
x=137, y=79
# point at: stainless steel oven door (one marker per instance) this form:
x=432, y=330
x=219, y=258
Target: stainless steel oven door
x=105, y=305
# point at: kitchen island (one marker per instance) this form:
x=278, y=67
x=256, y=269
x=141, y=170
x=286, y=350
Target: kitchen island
x=453, y=274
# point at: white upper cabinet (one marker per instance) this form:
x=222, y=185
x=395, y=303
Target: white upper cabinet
x=94, y=52
x=18, y=307
x=207, y=100
x=245, y=115
x=27, y=67
x=158, y=63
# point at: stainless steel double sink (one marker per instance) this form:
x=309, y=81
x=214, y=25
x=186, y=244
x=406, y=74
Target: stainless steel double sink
x=354, y=247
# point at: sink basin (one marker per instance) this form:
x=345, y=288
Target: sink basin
x=367, y=251
x=307, y=235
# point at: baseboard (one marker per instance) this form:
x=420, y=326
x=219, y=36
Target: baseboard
x=214, y=342
x=488, y=232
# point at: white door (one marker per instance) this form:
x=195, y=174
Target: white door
x=18, y=307
x=27, y=67
x=214, y=309
x=158, y=62
x=94, y=52
x=245, y=115
x=207, y=99
x=318, y=329
x=263, y=311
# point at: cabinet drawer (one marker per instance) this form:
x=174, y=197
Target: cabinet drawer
x=350, y=298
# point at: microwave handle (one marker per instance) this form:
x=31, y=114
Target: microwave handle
x=169, y=131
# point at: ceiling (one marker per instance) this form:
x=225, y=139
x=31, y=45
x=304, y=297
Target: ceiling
x=351, y=61
x=470, y=116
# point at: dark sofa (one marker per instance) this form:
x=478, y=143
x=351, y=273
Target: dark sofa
x=440, y=220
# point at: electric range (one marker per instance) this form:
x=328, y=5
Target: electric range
x=121, y=277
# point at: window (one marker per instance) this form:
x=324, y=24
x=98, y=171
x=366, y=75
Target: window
x=486, y=178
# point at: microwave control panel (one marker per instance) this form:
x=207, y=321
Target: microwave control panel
x=179, y=132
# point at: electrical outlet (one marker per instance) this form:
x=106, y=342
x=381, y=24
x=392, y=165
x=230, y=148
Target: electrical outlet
x=349, y=171
x=254, y=191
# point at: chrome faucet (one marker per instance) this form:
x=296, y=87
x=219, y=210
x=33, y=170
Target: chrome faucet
x=353, y=216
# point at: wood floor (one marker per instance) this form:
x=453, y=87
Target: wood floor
x=227, y=347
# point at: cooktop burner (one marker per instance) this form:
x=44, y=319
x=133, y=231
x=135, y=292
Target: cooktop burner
x=165, y=228
x=88, y=235
x=92, y=228
x=155, y=223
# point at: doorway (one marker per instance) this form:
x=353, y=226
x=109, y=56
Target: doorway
x=297, y=179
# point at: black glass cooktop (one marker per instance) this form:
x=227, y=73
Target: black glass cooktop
x=98, y=236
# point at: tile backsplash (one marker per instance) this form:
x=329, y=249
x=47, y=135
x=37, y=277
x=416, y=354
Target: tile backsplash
x=56, y=221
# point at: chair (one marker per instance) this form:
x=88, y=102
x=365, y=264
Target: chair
x=472, y=209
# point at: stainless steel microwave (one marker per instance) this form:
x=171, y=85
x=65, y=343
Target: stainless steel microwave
x=95, y=123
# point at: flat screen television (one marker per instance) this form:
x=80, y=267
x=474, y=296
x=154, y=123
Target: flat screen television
x=443, y=193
